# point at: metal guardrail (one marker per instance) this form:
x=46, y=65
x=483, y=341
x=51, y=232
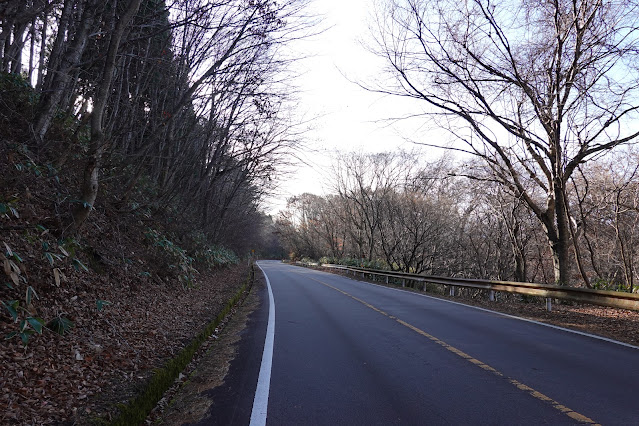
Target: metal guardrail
x=613, y=299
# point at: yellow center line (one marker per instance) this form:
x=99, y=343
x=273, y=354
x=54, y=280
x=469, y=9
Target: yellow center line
x=532, y=392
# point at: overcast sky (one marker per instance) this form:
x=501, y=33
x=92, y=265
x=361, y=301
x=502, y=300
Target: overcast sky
x=344, y=116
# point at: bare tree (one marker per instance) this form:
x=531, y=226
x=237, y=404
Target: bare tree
x=15, y=18
x=97, y=143
x=76, y=19
x=533, y=88
x=608, y=194
x=184, y=104
x=364, y=180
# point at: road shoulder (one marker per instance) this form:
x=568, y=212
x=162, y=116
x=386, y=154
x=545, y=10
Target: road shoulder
x=611, y=323
x=220, y=390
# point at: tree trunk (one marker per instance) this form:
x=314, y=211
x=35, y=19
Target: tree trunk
x=520, y=266
x=559, y=249
x=59, y=76
x=32, y=37
x=561, y=246
x=10, y=22
x=15, y=51
x=557, y=242
x=90, y=181
x=43, y=49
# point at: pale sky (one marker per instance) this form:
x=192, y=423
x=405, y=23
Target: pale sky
x=344, y=116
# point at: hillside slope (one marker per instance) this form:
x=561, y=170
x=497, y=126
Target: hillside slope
x=88, y=315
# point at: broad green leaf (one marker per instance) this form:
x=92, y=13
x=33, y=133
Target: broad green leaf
x=49, y=257
x=25, y=336
x=60, y=325
x=36, y=324
x=29, y=296
x=10, y=335
x=12, y=309
x=77, y=265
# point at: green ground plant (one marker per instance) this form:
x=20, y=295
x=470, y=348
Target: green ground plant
x=23, y=311
x=179, y=260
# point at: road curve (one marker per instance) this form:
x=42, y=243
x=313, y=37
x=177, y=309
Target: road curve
x=348, y=352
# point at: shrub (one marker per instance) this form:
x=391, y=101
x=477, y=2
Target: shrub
x=217, y=256
x=22, y=312
x=609, y=284
x=180, y=260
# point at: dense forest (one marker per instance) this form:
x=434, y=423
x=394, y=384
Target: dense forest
x=169, y=109
x=139, y=140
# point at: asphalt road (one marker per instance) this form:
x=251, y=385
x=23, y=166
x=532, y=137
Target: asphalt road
x=348, y=352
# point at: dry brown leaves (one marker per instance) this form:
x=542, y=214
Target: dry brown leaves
x=110, y=352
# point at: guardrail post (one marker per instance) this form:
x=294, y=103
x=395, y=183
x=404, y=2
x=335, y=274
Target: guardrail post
x=597, y=297
x=386, y=279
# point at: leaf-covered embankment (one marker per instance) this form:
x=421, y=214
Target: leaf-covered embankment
x=90, y=314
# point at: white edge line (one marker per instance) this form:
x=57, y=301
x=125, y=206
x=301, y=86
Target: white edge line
x=594, y=336
x=260, y=402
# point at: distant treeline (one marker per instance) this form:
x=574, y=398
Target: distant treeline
x=388, y=211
